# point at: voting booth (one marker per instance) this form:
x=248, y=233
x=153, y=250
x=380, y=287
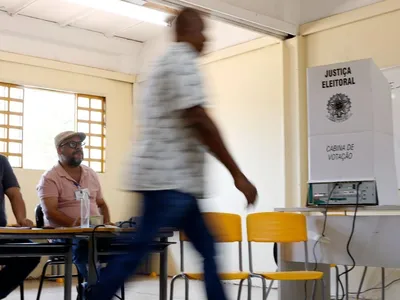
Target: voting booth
x=350, y=138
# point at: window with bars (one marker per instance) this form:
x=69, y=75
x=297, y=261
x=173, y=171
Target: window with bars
x=30, y=118
x=11, y=122
x=91, y=120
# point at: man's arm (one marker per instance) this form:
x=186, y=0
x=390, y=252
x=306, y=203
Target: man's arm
x=209, y=135
x=48, y=194
x=50, y=210
x=18, y=206
x=104, y=210
x=11, y=189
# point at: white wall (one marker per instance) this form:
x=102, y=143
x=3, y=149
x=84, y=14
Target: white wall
x=48, y=40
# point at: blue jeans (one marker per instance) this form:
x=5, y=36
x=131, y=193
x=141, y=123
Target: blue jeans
x=80, y=253
x=163, y=209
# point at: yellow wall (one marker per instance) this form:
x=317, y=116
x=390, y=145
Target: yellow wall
x=376, y=38
x=295, y=118
x=119, y=116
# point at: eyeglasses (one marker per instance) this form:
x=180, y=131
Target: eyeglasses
x=73, y=145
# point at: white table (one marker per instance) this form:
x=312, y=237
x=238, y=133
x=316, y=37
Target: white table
x=375, y=243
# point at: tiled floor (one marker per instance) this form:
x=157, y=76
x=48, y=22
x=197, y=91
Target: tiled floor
x=144, y=288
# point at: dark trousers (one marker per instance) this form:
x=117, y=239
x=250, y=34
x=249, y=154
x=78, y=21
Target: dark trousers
x=15, y=270
x=163, y=209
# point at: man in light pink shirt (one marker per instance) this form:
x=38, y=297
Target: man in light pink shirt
x=57, y=189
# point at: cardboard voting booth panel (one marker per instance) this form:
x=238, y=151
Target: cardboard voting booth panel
x=350, y=127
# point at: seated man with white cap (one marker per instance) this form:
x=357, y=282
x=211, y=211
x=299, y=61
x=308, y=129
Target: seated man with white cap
x=57, y=192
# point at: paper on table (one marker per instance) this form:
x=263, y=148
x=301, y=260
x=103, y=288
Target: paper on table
x=15, y=227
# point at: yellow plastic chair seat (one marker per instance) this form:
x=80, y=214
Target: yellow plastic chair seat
x=293, y=275
x=222, y=276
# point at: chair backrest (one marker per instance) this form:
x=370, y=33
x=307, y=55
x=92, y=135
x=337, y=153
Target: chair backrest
x=279, y=227
x=39, y=217
x=225, y=228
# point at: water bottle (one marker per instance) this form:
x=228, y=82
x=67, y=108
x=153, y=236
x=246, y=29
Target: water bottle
x=85, y=210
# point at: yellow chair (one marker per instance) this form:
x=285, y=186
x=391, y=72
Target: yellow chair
x=225, y=228
x=276, y=227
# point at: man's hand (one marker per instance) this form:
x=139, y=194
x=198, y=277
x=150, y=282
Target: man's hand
x=247, y=188
x=77, y=222
x=25, y=223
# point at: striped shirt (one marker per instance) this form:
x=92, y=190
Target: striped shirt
x=167, y=155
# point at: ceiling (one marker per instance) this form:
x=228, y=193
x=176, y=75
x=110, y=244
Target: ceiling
x=67, y=13
x=312, y=10
x=280, y=18
x=281, y=15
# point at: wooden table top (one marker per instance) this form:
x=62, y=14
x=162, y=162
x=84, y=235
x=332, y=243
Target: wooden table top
x=67, y=230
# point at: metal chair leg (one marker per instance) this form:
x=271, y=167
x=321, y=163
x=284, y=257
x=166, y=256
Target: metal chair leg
x=313, y=289
x=249, y=287
x=269, y=289
x=383, y=283
x=21, y=290
x=80, y=287
x=186, y=288
x=337, y=282
x=347, y=281
x=123, y=291
x=361, y=282
x=171, y=297
x=240, y=288
x=42, y=279
x=323, y=288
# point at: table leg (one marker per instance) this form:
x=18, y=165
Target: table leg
x=164, y=271
x=68, y=274
x=92, y=255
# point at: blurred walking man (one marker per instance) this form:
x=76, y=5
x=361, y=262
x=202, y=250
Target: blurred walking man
x=168, y=168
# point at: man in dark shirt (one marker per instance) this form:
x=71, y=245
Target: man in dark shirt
x=14, y=269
